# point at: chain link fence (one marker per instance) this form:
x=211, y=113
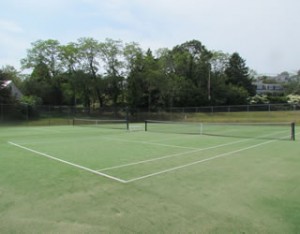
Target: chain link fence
x=55, y=115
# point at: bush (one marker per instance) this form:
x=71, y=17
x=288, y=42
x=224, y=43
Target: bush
x=293, y=99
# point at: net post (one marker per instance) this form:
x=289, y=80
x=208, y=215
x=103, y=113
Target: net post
x=145, y=125
x=127, y=124
x=293, y=138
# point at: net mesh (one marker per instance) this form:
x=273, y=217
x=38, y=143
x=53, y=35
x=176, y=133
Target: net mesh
x=239, y=130
x=110, y=124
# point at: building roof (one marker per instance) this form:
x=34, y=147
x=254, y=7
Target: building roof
x=13, y=88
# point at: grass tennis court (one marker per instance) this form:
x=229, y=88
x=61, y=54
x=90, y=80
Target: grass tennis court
x=89, y=179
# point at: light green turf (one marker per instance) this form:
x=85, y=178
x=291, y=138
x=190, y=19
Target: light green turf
x=246, y=185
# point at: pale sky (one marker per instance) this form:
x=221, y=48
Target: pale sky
x=264, y=32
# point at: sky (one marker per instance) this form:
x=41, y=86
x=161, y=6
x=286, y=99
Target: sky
x=263, y=32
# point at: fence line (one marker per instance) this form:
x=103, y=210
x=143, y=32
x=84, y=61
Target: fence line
x=22, y=112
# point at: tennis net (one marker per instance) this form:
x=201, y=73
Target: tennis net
x=110, y=124
x=241, y=130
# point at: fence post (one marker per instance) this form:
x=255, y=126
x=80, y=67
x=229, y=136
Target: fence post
x=1, y=113
x=27, y=112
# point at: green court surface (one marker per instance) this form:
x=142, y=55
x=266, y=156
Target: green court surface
x=168, y=179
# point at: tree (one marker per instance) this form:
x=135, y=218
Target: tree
x=153, y=81
x=136, y=84
x=89, y=55
x=238, y=74
x=190, y=63
x=219, y=61
x=110, y=53
x=44, y=59
x=70, y=60
x=46, y=52
x=109, y=73
x=236, y=95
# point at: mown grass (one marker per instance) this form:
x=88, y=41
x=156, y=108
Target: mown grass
x=251, y=191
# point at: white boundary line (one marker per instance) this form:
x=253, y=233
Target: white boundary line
x=145, y=176
x=170, y=156
x=173, y=155
x=69, y=163
x=175, y=146
x=200, y=161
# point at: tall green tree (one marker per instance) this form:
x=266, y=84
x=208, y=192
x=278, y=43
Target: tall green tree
x=46, y=52
x=70, y=60
x=145, y=82
x=136, y=84
x=191, y=63
x=110, y=53
x=43, y=58
x=238, y=74
x=153, y=79
x=39, y=84
x=89, y=55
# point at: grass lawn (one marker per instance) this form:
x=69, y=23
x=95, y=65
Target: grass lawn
x=69, y=179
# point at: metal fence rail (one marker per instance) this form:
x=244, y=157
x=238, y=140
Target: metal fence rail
x=238, y=108
x=62, y=114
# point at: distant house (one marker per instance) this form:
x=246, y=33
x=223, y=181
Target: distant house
x=262, y=88
x=15, y=92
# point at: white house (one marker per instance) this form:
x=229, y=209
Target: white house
x=15, y=92
x=262, y=88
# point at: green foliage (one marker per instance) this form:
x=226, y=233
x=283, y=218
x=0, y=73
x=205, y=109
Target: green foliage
x=28, y=106
x=277, y=99
x=293, y=87
x=236, y=95
x=111, y=73
x=238, y=74
x=31, y=100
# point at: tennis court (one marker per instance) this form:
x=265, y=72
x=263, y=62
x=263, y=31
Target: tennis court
x=226, y=177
